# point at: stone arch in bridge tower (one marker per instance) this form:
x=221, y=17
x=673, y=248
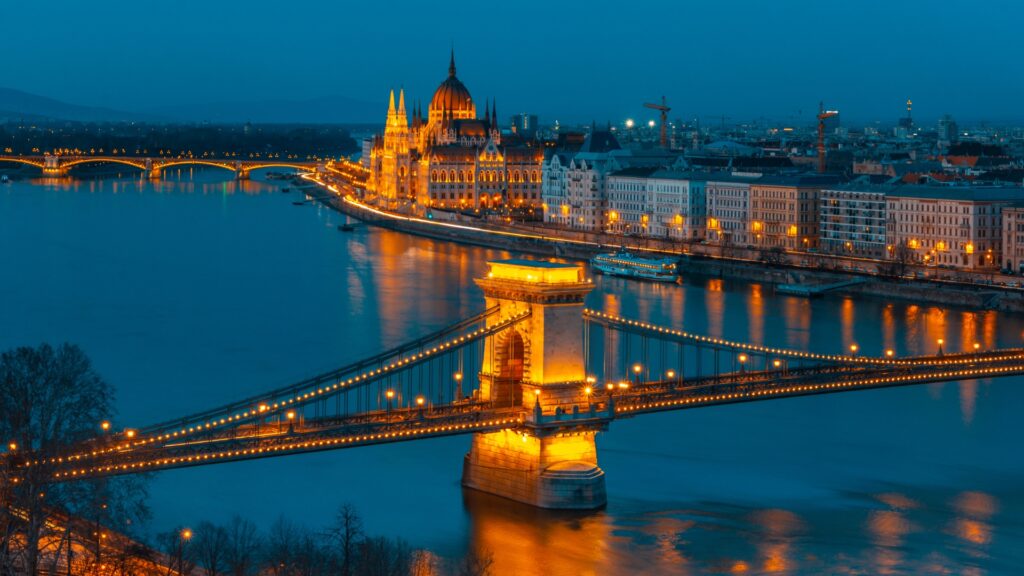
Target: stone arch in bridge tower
x=511, y=367
x=536, y=368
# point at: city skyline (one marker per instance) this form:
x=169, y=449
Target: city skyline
x=742, y=61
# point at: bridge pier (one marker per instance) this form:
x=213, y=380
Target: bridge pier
x=52, y=167
x=537, y=365
x=242, y=174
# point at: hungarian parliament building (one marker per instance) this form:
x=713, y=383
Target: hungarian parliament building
x=451, y=158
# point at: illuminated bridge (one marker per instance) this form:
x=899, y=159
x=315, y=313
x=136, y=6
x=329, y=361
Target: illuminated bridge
x=53, y=165
x=534, y=377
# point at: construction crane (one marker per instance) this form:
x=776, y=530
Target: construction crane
x=822, y=115
x=664, y=109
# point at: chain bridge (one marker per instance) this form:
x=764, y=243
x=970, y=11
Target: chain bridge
x=533, y=378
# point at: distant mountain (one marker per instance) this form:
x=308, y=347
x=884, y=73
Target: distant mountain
x=325, y=110
x=18, y=104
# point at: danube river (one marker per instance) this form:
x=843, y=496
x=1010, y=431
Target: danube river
x=198, y=290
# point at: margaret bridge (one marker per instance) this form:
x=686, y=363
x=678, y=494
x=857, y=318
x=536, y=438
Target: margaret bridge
x=533, y=378
x=55, y=165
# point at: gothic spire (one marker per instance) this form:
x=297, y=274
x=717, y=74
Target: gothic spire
x=487, y=111
x=391, y=103
x=401, y=102
x=451, y=64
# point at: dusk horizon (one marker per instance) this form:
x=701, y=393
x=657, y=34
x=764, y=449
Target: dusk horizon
x=743, y=60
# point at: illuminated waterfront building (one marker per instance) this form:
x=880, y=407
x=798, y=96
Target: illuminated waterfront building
x=784, y=210
x=657, y=202
x=575, y=189
x=450, y=158
x=728, y=202
x=851, y=221
x=1013, y=238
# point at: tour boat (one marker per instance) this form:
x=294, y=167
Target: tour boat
x=632, y=266
x=4, y=179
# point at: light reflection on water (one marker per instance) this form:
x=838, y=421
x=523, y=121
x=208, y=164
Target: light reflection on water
x=190, y=293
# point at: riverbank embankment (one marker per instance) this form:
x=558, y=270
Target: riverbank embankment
x=541, y=241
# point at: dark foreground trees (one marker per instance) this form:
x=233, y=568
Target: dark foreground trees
x=50, y=398
x=290, y=549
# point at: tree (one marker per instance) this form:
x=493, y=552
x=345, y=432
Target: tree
x=211, y=543
x=243, y=547
x=50, y=398
x=177, y=546
x=345, y=534
x=380, y=556
x=476, y=563
x=281, y=546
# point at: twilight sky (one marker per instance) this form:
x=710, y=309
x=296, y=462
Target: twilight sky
x=567, y=59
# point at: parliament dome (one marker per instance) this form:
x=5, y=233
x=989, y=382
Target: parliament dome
x=452, y=97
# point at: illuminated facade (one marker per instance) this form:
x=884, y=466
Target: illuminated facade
x=784, y=211
x=657, y=202
x=1013, y=238
x=958, y=227
x=538, y=365
x=451, y=158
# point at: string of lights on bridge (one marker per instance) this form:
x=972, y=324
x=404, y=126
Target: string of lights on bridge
x=889, y=358
x=300, y=445
x=266, y=409
x=805, y=388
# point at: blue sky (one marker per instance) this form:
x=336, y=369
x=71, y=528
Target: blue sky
x=568, y=59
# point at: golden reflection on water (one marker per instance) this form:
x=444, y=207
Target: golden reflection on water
x=796, y=313
x=528, y=541
x=755, y=312
x=775, y=545
x=972, y=524
x=714, y=304
x=848, y=320
x=888, y=328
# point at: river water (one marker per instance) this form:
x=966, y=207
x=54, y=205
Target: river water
x=197, y=290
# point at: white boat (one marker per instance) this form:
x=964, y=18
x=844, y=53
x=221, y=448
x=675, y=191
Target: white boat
x=632, y=266
x=4, y=179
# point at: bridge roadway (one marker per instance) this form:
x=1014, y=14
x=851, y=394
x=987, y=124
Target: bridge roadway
x=269, y=439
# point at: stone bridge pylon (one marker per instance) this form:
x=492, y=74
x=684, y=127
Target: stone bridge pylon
x=538, y=364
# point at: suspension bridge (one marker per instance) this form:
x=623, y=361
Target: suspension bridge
x=533, y=377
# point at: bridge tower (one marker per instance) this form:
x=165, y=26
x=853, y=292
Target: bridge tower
x=538, y=365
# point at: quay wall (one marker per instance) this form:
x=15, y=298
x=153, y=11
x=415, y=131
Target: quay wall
x=739, y=266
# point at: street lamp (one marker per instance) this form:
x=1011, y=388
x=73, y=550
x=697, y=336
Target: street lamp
x=743, y=362
x=390, y=394
x=458, y=385
x=853, y=349
x=105, y=425
x=889, y=353
x=941, y=342
x=636, y=372
x=977, y=347
x=184, y=536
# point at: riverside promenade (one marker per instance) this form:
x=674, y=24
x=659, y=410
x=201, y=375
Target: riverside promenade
x=925, y=284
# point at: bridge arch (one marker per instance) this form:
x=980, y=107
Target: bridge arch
x=80, y=161
x=261, y=166
x=193, y=162
x=26, y=161
x=510, y=367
